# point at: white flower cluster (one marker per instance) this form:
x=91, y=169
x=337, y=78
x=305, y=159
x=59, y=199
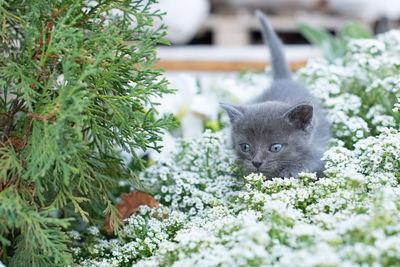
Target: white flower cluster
x=219, y=239
x=351, y=217
x=380, y=154
x=199, y=173
x=360, y=91
x=139, y=238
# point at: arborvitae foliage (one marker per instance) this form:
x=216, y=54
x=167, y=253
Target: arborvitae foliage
x=71, y=91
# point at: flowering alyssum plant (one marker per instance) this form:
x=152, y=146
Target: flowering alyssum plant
x=200, y=173
x=349, y=217
x=361, y=90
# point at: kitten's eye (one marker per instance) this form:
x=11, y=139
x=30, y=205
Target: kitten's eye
x=275, y=148
x=245, y=147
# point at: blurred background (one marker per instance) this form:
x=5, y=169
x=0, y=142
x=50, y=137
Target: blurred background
x=225, y=35
x=217, y=55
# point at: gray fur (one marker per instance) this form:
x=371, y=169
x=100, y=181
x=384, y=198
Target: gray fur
x=279, y=67
x=286, y=113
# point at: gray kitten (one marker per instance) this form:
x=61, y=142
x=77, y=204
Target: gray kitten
x=283, y=132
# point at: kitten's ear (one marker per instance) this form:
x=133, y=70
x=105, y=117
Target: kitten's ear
x=235, y=112
x=300, y=115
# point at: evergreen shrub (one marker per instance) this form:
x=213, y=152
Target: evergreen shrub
x=71, y=91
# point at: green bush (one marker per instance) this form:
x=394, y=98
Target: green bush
x=71, y=92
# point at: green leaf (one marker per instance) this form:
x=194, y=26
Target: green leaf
x=354, y=29
x=314, y=35
x=321, y=38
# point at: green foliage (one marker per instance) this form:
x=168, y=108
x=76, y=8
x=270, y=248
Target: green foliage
x=334, y=47
x=71, y=92
x=354, y=30
x=38, y=228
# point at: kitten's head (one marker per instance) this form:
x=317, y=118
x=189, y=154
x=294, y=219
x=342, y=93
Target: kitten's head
x=271, y=136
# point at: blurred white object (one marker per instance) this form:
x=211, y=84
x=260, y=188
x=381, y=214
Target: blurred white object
x=168, y=144
x=272, y=4
x=254, y=53
x=178, y=102
x=183, y=18
x=367, y=9
x=205, y=105
x=192, y=126
x=188, y=104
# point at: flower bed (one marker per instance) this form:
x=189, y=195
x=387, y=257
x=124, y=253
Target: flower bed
x=215, y=217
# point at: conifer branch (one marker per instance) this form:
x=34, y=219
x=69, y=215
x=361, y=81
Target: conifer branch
x=71, y=164
x=47, y=32
x=17, y=105
x=44, y=117
x=27, y=131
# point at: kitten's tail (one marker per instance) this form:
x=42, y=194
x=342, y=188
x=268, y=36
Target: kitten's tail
x=279, y=66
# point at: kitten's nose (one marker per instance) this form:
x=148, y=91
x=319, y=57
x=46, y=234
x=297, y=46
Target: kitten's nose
x=256, y=163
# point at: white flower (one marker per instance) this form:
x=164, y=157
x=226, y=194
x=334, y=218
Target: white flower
x=60, y=80
x=366, y=46
x=74, y=235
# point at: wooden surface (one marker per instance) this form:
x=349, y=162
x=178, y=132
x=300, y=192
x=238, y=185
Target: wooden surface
x=228, y=58
x=182, y=65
